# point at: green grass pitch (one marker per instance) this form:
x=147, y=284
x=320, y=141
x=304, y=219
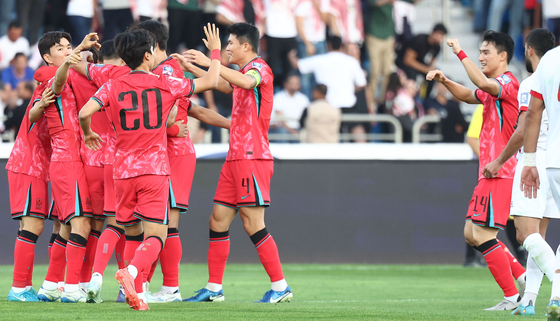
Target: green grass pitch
x=321, y=292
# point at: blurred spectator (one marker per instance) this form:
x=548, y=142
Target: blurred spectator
x=14, y=116
x=281, y=35
x=229, y=12
x=496, y=16
x=185, y=24
x=529, y=17
x=320, y=119
x=404, y=14
x=400, y=102
x=364, y=102
x=288, y=103
x=417, y=56
x=143, y=10
x=453, y=124
x=473, y=133
x=117, y=17
x=17, y=72
x=12, y=43
x=551, y=15
x=347, y=20
x=311, y=17
x=55, y=16
x=31, y=13
x=6, y=10
x=82, y=15
x=480, y=14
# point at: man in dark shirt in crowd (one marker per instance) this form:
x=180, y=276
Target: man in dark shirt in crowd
x=15, y=116
x=417, y=56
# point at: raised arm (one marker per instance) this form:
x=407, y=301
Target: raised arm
x=213, y=43
x=223, y=85
x=209, y=117
x=62, y=72
x=459, y=91
x=479, y=79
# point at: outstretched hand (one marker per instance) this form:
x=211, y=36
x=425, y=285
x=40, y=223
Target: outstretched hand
x=47, y=98
x=212, y=40
x=74, y=58
x=90, y=40
x=436, y=75
x=93, y=140
x=197, y=57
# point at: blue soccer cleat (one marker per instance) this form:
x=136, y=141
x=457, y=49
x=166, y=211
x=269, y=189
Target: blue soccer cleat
x=272, y=296
x=121, y=298
x=205, y=295
x=529, y=309
x=32, y=291
x=553, y=309
x=25, y=296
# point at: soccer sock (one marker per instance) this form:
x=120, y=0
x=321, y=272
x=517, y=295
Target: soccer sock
x=498, y=263
x=218, y=252
x=24, y=252
x=29, y=283
x=119, y=251
x=170, y=258
x=555, y=293
x=533, y=284
x=144, y=256
x=91, y=246
x=517, y=269
x=75, y=256
x=541, y=253
x=148, y=274
x=105, y=247
x=268, y=253
x=132, y=243
x=57, y=263
x=51, y=242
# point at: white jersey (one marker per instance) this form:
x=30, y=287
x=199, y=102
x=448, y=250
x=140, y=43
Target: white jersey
x=523, y=98
x=545, y=86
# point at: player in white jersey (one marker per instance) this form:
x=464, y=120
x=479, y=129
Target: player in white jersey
x=544, y=92
x=531, y=215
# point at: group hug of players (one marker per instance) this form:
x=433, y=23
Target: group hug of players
x=527, y=186
x=111, y=138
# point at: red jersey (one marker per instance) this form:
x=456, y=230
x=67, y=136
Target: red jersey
x=31, y=153
x=84, y=90
x=250, y=116
x=177, y=146
x=63, y=125
x=499, y=118
x=138, y=106
x=100, y=74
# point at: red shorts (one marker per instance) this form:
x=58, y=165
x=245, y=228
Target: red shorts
x=244, y=183
x=29, y=196
x=53, y=211
x=94, y=176
x=70, y=190
x=491, y=202
x=182, y=173
x=109, y=191
x=143, y=198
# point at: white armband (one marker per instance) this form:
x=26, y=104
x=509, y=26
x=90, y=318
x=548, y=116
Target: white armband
x=529, y=159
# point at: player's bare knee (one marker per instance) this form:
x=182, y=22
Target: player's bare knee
x=33, y=225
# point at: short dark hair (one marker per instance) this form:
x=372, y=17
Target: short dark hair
x=440, y=28
x=158, y=29
x=246, y=33
x=14, y=24
x=336, y=42
x=50, y=39
x=541, y=40
x=322, y=89
x=19, y=54
x=132, y=45
x=29, y=86
x=107, y=50
x=502, y=42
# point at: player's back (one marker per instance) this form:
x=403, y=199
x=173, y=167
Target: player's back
x=138, y=106
x=250, y=116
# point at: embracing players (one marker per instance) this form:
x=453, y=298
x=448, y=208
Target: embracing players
x=489, y=207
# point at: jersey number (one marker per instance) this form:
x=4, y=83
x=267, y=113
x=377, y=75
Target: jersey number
x=245, y=183
x=145, y=109
x=483, y=203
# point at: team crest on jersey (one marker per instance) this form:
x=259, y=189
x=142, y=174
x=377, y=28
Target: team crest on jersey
x=88, y=202
x=504, y=79
x=524, y=98
x=39, y=203
x=168, y=71
x=257, y=65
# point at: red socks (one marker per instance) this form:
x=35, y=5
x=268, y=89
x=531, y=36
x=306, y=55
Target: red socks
x=51, y=242
x=57, y=261
x=85, y=274
x=170, y=258
x=148, y=274
x=132, y=243
x=119, y=251
x=218, y=253
x=268, y=253
x=106, y=245
x=144, y=256
x=75, y=257
x=498, y=263
x=24, y=254
x=517, y=269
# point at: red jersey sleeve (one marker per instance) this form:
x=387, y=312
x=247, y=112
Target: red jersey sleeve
x=102, y=95
x=99, y=74
x=179, y=87
x=506, y=86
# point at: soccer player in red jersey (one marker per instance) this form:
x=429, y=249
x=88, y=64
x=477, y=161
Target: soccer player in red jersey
x=28, y=176
x=489, y=207
x=141, y=168
x=182, y=159
x=68, y=181
x=244, y=184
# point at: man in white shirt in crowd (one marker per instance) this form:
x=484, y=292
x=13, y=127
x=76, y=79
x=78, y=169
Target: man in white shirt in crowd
x=12, y=43
x=288, y=103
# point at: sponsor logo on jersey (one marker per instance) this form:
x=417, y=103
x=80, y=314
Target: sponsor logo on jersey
x=257, y=65
x=525, y=98
x=504, y=79
x=168, y=71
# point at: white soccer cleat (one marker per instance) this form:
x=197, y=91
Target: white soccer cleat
x=164, y=297
x=77, y=296
x=48, y=295
x=504, y=305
